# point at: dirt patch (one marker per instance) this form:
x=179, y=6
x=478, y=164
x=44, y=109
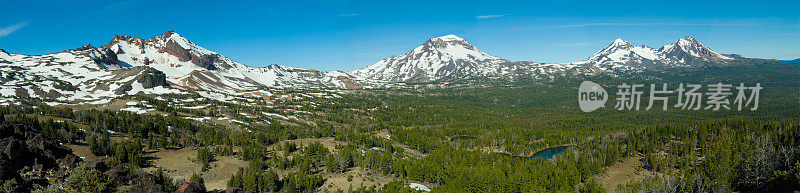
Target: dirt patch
x=179, y=164
x=84, y=153
x=623, y=172
x=360, y=178
x=383, y=134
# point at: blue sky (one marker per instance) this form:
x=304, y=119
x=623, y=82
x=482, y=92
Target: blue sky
x=345, y=35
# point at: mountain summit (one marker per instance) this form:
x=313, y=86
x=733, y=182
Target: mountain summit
x=622, y=52
x=685, y=52
x=436, y=59
x=687, y=49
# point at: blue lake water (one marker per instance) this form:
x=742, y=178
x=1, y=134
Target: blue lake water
x=549, y=152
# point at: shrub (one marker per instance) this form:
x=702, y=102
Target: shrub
x=86, y=179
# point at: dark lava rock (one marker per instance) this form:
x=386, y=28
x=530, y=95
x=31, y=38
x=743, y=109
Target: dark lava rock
x=152, y=78
x=26, y=150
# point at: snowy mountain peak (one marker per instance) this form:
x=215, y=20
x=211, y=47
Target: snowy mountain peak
x=619, y=42
x=163, y=40
x=450, y=37
x=689, y=38
x=622, y=52
x=690, y=47
x=687, y=43
x=180, y=40
x=169, y=33
x=450, y=47
x=435, y=59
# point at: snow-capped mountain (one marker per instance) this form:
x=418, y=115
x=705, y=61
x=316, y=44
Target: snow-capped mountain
x=684, y=52
x=622, y=52
x=687, y=49
x=437, y=58
x=190, y=66
x=162, y=64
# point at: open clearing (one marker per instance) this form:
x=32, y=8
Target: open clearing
x=84, y=153
x=180, y=166
x=622, y=172
x=360, y=178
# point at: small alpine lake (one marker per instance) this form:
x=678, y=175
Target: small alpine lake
x=550, y=152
